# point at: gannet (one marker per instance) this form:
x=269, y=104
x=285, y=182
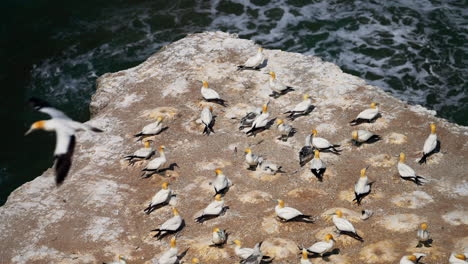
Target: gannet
x=256, y=257
x=301, y=109
x=344, y=226
x=260, y=123
x=161, y=198
x=367, y=115
x=323, y=144
x=323, y=246
x=305, y=257
x=407, y=173
x=155, y=165
x=219, y=237
x=424, y=236
x=207, y=120
x=170, y=256
x=290, y=214
x=251, y=159
x=307, y=152
x=457, y=259
x=412, y=259
x=144, y=153
x=278, y=88
x=214, y=209
x=317, y=166
x=286, y=130
x=249, y=118
x=268, y=166
x=362, y=187
x=172, y=225
x=253, y=63
x=151, y=129
x=120, y=260
x=221, y=184
x=364, y=136
x=430, y=145
x=65, y=129
x=211, y=95
x=245, y=253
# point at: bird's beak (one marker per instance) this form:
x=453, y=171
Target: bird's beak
x=29, y=132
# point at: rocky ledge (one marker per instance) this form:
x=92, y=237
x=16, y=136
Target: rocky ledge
x=98, y=212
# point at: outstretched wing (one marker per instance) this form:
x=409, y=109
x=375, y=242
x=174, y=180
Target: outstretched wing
x=44, y=107
x=63, y=158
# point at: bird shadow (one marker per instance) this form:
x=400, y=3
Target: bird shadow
x=293, y=116
x=160, y=172
x=160, y=236
x=261, y=129
x=145, y=136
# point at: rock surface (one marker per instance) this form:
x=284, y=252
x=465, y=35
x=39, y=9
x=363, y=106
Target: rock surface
x=98, y=212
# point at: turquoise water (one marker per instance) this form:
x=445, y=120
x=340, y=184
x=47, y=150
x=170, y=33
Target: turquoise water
x=56, y=49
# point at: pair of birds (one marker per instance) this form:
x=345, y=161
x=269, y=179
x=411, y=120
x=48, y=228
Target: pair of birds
x=145, y=153
x=255, y=161
x=312, y=143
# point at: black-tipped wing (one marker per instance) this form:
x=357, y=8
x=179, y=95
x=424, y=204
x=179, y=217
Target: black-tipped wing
x=64, y=161
x=44, y=107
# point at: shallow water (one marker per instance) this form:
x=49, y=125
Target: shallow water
x=56, y=49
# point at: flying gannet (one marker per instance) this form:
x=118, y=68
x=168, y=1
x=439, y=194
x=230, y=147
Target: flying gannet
x=430, y=145
x=290, y=214
x=211, y=95
x=253, y=63
x=160, y=199
x=172, y=225
x=278, y=87
x=368, y=115
x=317, y=166
x=65, y=129
x=151, y=129
x=407, y=173
x=362, y=187
x=301, y=109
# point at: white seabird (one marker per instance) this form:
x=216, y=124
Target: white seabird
x=407, y=173
x=170, y=256
x=290, y=214
x=172, y=225
x=260, y=123
x=249, y=118
x=207, y=120
x=344, y=226
x=430, y=145
x=253, y=63
x=219, y=237
x=256, y=257
x=412, y=259
x=156, y=164
x=364, y=136
x=120, y=260
x=211, y=95
x=286, y=130
x=317, y=166
x=368, y=115
x=278, y=88
x=323, y=144
x=301, y=109
x=214, y=209
x=143, y=153
x=305, y=257
x=160, y=199
x=151, y=129
x=65, y=129
x=457, y=259
x=268, y=166
x=322, y=247
x=221, y=184
x=424, y=236
x=246, y=253
x=362, y=187
x=251, y=159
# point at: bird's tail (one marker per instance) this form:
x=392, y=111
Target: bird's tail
x=423, y=159
x=419, y=180
x=149, y=209
x=317, y=174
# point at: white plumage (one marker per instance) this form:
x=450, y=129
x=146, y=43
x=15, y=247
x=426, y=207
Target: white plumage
x=208, y=93
x=162, y=197
x=268, y=166
x=322, y=246
x=242, y=253
x=317, y=166
x=120, y=260
x=305, y=257
x=170, y=256
x=407, y=173
x=254, y=61
x=221, y=182
x=412, y=259
x=344, y=226
x=286, y=213
x=430, y=143
x=219, y=236
x=157, y=163
x=171, y=225
x=206, y=118
x=458, y=258
x=215, y=208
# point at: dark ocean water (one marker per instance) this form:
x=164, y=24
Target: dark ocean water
x=417, y=50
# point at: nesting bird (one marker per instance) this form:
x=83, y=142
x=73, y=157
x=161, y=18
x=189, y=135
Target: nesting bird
x=322, y=247
x=219, y=237
x=362, y=187
x=260, y=123
x=368, y=115
x=430, y=145
x=65, y=129
x=412, y=259
x=213, y=210
x=120, y=260
x=286, y=130
x=301, y=109
x=323, y=144
x=278, y=88
x=457, y=259
x=317, y=166
x=251, y=159
x=290, y=214
x=160, y=199
x=424, y=236
x=249, y=118
x=221, y=184
x=407, y=173
x=151, y=129
x=171, y=226
x=363, y=136
x=211, y=95
x=269, y=167
x=248, y=255
x=344, y=226
x=170, y=256
x=155, y=165
x=143, y=153
x=305, y=257
x=207, y=120
x=253, y=63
